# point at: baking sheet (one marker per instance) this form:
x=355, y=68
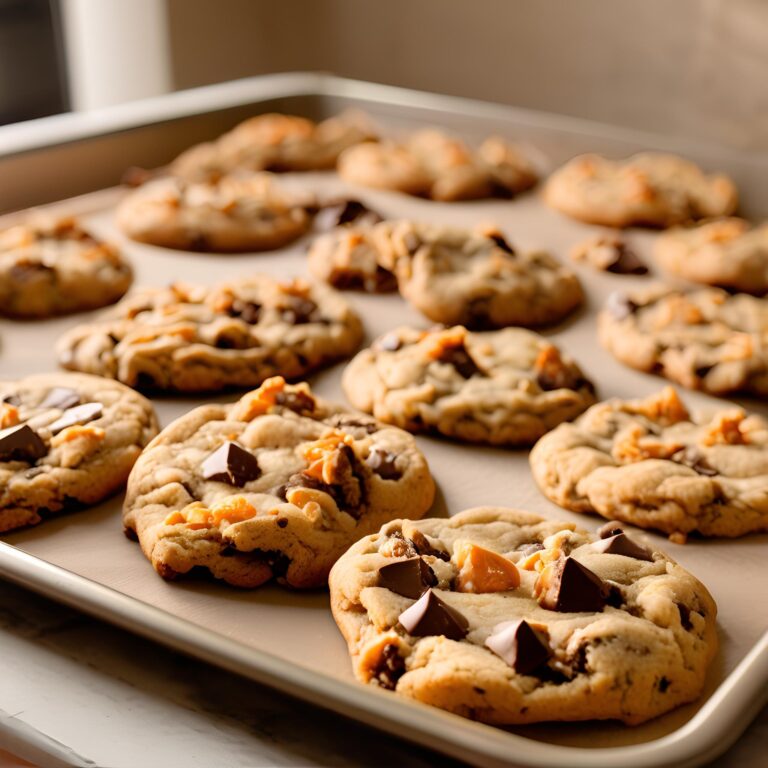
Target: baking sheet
x=296, y=629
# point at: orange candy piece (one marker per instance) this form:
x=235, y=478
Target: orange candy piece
x=321, y=455
x=481, y=570
x=233, y=509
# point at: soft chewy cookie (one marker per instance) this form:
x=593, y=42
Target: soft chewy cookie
x=726, y=252
x=66, y=440
x=506, y=618
x=473, y=278
x=432, y=164
x=649, y=189
x=651, y=463
x=703, y=339
x=274, y=142
x=503, y=387
x=276, y=485
x=230, y=214
x=51, y=266
x=189, y=338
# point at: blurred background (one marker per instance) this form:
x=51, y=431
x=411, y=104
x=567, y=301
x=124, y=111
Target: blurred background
x=693, y=68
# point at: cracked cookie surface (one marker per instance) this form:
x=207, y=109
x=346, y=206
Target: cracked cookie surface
x=648, y=189
x=66, y=440
x=702, y=339
x=504, y=387
x=523, y=620
x=276, y=485
x=51, y=266
x=189, y=338
x=649, y=462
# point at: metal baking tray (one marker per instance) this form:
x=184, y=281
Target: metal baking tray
x=288, y=639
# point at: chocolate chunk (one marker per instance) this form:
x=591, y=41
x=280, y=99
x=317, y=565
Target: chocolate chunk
x=21, y=443
x=298, y=401
x=13, y=400
x=621, y=544
x=703, y=370
x=80, y=414
x=690, y=456
x=664, y=683
x=299, y=312
x=627, y=262
x=574, y=589
x=409, y=578
x=685, y=616
x=61, y=397
x=248, y=311
x=390, y=342
x=390, y=667
x=347, y=423
x=502, y=243
x=421, y=544
x=620, y=306
x=460, y=359
x=430, y=615
x=611, y=528
x=520, y=645
x=341, y=212
x=231, y=464
x=383, y=463
x=552, y=378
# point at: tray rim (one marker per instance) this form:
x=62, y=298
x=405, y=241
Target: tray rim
x=714, y=728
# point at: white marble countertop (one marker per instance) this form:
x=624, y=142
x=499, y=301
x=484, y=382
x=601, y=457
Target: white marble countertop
x=77, y=692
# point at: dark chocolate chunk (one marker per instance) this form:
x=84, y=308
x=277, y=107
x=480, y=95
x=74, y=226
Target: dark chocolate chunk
x=524, y=648
x=611, y=528
x=574, y=589
x=615, y=596
x=422, y=545
x=130, y=534
x=383, y=463
x=231, y=464
x=389, y=342
x=282, y=522
x=390, y=667
x=297, y=401
x=248, y=311
x=80, y=414
x=299, y=311
x=550, y=379
x=21, y=443
x=691, y=457
x=13, y=400
x=621, y=544
x=460, y=359
x=61, y=397
x=348, y=423
x=409, y=578
x=664, y=683
x=627, y=262
x=703, y=370
x=430, y=615
x=620, y=306
x=499, y=239
x=685, y=616
x=341, y=212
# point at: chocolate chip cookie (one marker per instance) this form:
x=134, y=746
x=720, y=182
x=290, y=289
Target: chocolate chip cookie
x=507, y=618
x=187, y=338
x=649, y=189
x=727, y=252
x=51, y=266
x=435, y=165
x=66, y=440
x=228, y=215
x=474, y=278
x=276, y=485
x=503, y=387
x=651, y=463
x=703, y=339
x=274, y=142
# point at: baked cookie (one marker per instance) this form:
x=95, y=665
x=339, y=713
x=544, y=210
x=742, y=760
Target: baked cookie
x=432, y=164
x=703, y=339
x=276, y=485
x=274, y=142
x=507, y=618
x=229, y=215
x=346, y=257
x=609, y=253
x=650, y=463
x=51, y=266
x=66, y=440
x=504, y=387
x=188, y=338
x=474, y=278
x=650, y=189
x=727, y=252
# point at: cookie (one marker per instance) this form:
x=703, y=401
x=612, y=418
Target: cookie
x=346, y=257
x=727, y=252
x=504, y=387
x=651, y=463
x=609, y=253
x=504, y=617
x=649, y=189
x=229, y=215
x=473, y=278
x=274, y=142
x=66, y=440
x=702, y=339
x=274, y=486
x=187, y=338
x=52, y=266
x=432, y=164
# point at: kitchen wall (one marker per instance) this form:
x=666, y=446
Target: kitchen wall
x=695, y=68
